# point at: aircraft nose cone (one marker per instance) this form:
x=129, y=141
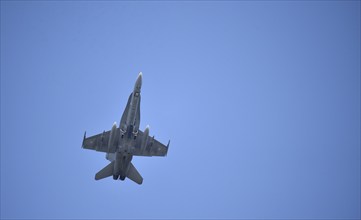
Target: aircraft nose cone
x=138, y=83
x=139, y=79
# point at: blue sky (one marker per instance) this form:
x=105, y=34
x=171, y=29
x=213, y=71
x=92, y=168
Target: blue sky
x=261, y=101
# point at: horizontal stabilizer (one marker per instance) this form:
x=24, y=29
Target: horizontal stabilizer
x=134, y=175
x=105, y=172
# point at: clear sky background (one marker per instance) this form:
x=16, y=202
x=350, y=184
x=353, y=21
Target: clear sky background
x=261, y=101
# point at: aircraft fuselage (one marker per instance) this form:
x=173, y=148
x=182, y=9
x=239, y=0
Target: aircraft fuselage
x=129, y=130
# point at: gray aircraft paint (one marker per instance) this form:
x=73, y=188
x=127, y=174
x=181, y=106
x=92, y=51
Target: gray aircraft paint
x=120, y=144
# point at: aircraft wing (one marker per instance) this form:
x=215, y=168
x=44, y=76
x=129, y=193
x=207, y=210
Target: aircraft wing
x=153, y=147
x=97, y=142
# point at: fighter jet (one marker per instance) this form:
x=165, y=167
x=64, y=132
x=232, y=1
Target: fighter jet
x=122, y=143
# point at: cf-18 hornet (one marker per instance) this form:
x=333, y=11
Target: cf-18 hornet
x=122, y=143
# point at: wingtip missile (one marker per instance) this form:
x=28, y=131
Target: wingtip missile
x=166, y=153
x=82, y=145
